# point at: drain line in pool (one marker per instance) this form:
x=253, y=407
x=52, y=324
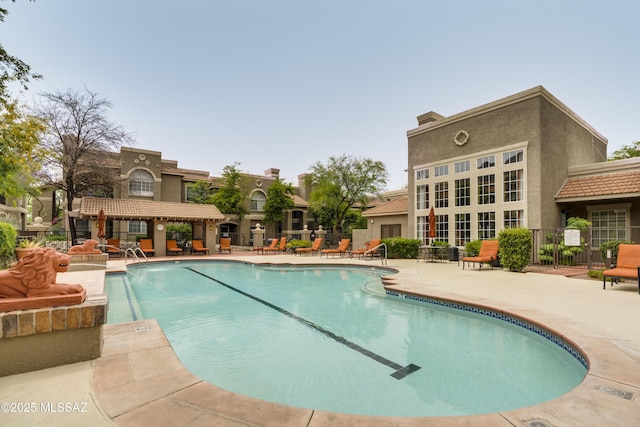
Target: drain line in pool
x=400, y=371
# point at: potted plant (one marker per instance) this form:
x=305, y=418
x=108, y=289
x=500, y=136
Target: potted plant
x=26, y=246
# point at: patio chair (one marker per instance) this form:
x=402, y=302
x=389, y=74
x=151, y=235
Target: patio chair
x=315, y=247
x=368, y=246
x=627, y=265
x=342, y=249
x=197, y=247
x=488, y=253
x=225, y=244
x=146, y=245
x=173, y=248
x=282, y=247
x=113, y=247
x=272, y=245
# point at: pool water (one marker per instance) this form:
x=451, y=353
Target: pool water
x=328, y=338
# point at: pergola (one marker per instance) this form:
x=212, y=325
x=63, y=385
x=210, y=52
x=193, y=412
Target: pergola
x=159, y=213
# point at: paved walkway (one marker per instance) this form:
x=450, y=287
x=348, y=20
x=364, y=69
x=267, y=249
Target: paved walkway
x=139, y=380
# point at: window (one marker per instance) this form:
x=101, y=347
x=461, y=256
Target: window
x=463, y=166
x=258, y=199
x=463, y=192
x=514, y=219
x=441, y=170
x=190, y=193
x=138, y=227
x=606, y=225
x=463, y=229
x=422, y=229
x=512, y=157
x=486, y=189
x=390, y=230
x=422, y=197
x=141, y=183
x=486, y=225
x=513, y=185
x=442, y=227
x=422, y=174
x=442, y=194
x=486, y=162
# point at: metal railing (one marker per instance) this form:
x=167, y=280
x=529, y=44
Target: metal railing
x=134, y=253
x=551, y=248
x=383, y=256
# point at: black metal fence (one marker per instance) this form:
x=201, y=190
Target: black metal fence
x=577, y=248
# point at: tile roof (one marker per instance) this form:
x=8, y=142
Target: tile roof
x=598, y=186
x=134, y=209
x=392, y=207
x=299, y=201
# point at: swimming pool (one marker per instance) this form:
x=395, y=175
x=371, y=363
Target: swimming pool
x=328, y=338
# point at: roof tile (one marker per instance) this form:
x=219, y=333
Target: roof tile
x=135, y=209
x=600, y=185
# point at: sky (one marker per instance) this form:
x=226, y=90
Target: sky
x=288, y=83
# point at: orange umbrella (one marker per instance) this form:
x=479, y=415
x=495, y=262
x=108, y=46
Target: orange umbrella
x=432, y=223
x=102, y=219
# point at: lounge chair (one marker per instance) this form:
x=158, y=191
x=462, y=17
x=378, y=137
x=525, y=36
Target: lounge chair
x=146, y=245
x=627, y=265
x=113, y=247
x=342, y=249
x=173, y=248
x=282, y=247
x=197, y=247
x=488, y=253
x=272, y=245
x=225, y=244
x=314, y=248
x=368, y=246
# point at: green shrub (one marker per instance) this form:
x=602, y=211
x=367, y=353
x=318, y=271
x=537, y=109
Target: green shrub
x=595, y=274
x=299, y=244
x=8, y=236
x=56, y=238
x=401, y=248
x=515, y=248
x=472, y=248
x=613, y=246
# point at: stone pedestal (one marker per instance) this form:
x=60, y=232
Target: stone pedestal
x=51, y=336
x=258, y=236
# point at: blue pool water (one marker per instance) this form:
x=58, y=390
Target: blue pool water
x=328, y=338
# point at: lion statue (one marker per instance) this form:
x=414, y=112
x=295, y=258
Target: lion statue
x=88, y=247
x=35, y=276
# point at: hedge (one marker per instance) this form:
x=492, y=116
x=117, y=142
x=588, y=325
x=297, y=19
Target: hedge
x=515, y=248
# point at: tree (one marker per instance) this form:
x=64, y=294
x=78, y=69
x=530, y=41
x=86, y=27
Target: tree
x=201, y=192
x=19, y=149
x=231, y=199
x=12, y=69
x=626, y=152
x=78, y=140
x=342, y=184
x=278, y=200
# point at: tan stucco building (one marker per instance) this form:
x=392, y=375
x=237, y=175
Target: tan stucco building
x=514, y=162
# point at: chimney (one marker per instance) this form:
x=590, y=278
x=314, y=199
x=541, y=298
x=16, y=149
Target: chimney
x=272, y=172
x=429, y=117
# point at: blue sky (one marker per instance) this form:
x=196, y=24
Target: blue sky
x=287, y=83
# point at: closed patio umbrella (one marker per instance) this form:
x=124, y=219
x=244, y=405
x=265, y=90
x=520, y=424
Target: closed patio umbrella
x=102, y=219
x=432, y=224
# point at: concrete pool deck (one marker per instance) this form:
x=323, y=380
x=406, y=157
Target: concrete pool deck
x=139, y=381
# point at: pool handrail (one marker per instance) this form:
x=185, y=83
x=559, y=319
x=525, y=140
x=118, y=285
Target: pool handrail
x=134, y=255
x=383, y=258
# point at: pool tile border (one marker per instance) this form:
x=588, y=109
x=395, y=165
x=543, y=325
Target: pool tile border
x=506, y=317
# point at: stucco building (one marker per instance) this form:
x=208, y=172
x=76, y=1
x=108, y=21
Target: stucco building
x=498, y=165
